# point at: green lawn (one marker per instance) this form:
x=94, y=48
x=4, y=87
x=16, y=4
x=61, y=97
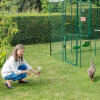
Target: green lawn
x=59, y=81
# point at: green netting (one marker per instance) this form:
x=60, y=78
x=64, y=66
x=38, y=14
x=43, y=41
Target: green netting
x=72, y=31
x=84, y=32
x=97, y=27
x=56, y=28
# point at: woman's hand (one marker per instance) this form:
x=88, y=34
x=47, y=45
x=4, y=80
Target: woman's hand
x=29, y=73
x=35, y=72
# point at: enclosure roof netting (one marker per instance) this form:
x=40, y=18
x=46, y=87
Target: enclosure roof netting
x=55, y=0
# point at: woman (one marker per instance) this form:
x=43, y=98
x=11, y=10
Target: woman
x=15, y=68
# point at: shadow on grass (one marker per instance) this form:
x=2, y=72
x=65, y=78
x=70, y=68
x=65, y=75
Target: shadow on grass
x=36, y=83
x=97, y=78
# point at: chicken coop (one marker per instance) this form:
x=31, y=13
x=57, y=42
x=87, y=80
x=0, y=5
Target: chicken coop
x=74, y=28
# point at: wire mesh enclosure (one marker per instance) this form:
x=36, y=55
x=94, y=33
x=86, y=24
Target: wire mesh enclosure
x=73, y=37
x=56, y=29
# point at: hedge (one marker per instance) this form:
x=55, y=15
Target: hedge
x=34, y=29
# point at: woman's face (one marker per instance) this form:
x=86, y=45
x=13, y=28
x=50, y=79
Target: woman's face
x=20, y=53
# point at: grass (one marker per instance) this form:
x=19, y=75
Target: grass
x=59, y=81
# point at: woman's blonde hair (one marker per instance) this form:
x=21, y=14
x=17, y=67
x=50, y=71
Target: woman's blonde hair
x=14, y=53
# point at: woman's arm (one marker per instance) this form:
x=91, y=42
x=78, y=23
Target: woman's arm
x=29, y=68
x=14, y=68
x=29, y=72
x=27, y=65
x=25, y=71
x=35, y=72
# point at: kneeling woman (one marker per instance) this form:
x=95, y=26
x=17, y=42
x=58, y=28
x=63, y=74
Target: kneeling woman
x=15, y=68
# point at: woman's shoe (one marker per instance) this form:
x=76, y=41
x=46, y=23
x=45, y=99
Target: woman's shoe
x=10, y=87
x=23, y=81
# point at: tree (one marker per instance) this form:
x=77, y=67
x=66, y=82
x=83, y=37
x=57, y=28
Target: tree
x=7, y=29
x=29, y=5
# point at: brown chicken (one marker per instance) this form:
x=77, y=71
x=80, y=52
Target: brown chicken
x=91, y=71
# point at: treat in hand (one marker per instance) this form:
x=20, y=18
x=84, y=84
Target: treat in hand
x=39, y=68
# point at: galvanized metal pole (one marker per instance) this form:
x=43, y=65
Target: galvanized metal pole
x=77, y=34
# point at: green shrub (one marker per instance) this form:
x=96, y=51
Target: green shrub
x=7, y=29
x=45, y=6
x=3, y=53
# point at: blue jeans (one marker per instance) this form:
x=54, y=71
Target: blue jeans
x=16, y=77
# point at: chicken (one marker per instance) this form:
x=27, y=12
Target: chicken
x=91, y=71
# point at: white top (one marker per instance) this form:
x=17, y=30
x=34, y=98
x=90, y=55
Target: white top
x=12, y=66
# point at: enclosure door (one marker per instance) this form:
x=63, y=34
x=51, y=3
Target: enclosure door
x=56, y=10
x=70, y=49
x=70, y=33
x=84, y=33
